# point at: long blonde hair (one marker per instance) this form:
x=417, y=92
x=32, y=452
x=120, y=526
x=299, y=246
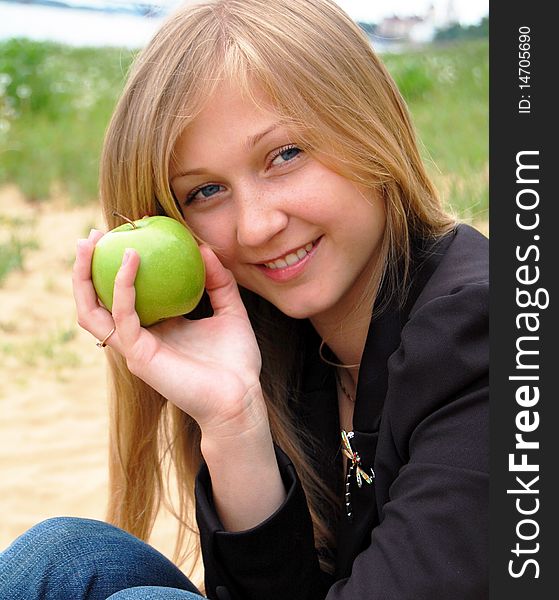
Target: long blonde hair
x=321, y=75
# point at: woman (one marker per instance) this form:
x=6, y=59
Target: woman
x=325, y=409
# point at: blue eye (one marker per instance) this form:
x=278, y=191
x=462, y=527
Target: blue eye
x=209, y=190
x=206, y=191
x=286, y=154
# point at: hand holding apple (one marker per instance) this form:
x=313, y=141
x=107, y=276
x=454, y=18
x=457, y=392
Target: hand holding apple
x=207, y=367
x=170, y=280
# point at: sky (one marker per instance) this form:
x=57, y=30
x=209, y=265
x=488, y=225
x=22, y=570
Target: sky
x=88, y=28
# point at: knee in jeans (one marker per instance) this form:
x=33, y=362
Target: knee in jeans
x=71, y=555
x=64, y=534
x=52, y=555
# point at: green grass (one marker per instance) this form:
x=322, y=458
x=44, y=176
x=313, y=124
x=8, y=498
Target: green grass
x=447, y=90
x=15, y=241
x=50, y=348
x=11, y=256
x=55, y=103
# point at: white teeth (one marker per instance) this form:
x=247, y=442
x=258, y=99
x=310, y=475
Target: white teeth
x=291, y=259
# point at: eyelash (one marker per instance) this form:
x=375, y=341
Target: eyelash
x=191, y=195
x=283, y=149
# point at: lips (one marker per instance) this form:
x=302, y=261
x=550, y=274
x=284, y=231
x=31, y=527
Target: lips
x=281, y=271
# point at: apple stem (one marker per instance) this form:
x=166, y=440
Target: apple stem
x=117, y=214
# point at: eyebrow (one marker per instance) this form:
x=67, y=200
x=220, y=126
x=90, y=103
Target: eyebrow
x=249, y=143
x=252, y=140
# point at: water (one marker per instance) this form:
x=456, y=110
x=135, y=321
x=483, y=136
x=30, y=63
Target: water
x=76, y=27
x=90, y=28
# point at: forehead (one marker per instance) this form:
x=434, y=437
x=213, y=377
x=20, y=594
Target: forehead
x=236, y=101
x=230, y=112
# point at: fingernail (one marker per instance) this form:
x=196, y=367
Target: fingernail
x=126, y=256
x=92, y=232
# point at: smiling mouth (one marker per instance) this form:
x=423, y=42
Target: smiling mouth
x=292, y=258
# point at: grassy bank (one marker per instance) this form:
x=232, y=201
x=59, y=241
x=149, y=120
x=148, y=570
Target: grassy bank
x=55, y=102
x=447, y=90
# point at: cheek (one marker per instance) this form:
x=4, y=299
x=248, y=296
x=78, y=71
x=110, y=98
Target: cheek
x=375, y=210
x=370, y=225
x=213, y=230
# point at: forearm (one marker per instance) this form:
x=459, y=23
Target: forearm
x=246, y=482
x=276, y=559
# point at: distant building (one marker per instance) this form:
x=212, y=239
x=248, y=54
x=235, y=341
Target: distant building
x=400, y=31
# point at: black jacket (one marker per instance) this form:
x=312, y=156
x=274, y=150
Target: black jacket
x=420, y=531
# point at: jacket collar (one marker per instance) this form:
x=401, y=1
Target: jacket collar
x=319, y=403
x=383, y=336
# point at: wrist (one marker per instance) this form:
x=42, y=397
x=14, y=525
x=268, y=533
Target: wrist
x=246, y=482
x=242, y=422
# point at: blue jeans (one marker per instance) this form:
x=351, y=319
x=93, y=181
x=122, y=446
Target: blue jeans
x=80, y=559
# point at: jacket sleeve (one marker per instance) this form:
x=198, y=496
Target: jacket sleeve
x=269, y=561
x=432, y=466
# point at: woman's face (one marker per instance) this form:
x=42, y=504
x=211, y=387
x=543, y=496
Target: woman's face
x=289, y=228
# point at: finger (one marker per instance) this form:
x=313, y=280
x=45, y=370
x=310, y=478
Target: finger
x=91, y=315
x=124, y=313
x=95, y=235
x=220, y=284
x=82, y=265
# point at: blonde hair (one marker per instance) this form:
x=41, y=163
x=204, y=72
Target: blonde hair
x=319, y=72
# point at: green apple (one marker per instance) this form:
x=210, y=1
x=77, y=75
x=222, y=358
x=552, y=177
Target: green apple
x=171, y=276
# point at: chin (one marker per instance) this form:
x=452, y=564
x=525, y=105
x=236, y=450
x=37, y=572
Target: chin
x=296, y=314
x=300, y=310
x=297, y=304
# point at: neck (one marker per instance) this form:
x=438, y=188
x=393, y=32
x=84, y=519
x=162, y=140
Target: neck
x=346, y=338
x=345, y=325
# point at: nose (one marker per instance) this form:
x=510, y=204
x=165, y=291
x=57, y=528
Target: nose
x=260, y=215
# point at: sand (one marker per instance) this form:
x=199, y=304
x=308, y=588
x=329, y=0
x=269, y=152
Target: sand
x=53, y=401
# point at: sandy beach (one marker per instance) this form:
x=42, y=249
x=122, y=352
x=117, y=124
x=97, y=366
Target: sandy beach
x=53, y=401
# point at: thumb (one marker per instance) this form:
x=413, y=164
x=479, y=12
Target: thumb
x=221, y=285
